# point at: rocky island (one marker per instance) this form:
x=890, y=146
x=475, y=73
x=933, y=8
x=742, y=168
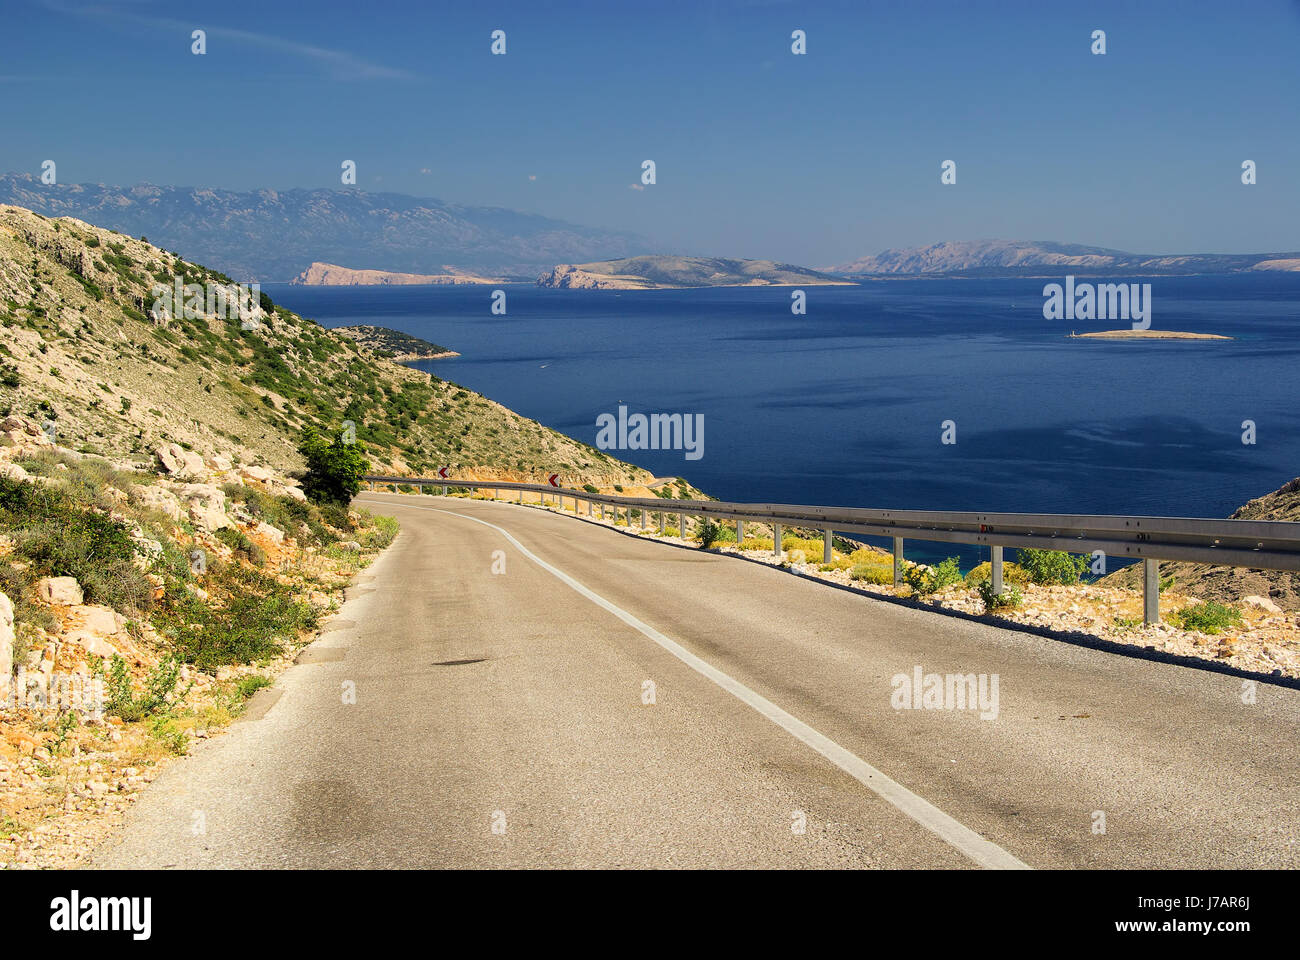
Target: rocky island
x=332, y=275
x=1147, y=335
x=395, y=345
x=675, y=273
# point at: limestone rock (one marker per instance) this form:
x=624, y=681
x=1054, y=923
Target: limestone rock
x=206, y=505
x=1263, y=603
x=178, y=461
x=274, y=534
x=64, y=591
x=156, y=498
x=6, y=641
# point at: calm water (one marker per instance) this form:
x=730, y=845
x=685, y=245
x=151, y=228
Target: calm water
x=843, y=406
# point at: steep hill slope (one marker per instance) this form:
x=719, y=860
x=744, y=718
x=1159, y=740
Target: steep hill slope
x=1228, y=584
x=82, y=353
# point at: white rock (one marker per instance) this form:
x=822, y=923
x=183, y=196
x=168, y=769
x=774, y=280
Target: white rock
x=59, y=590
x=6, y=640
x=178, y=461
x=97, y=620
x=156, y=498
x=274, y=534
x=207, y=505
x=13, y=472
x=1264, y=603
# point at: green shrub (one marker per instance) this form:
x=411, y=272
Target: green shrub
x=259, y=618
x=708, y=532
x=159, y=689
x=1052, y=566
x=993, y=602
x=237, y=541
x=334, y=468
x=926, y=581
x=1208, y=617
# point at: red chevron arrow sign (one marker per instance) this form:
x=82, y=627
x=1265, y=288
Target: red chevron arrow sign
x=553, y=478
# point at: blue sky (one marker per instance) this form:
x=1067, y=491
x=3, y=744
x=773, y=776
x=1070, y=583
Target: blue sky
x=812, y=159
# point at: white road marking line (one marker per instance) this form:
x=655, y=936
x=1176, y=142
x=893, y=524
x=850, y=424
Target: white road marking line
x=984, y=852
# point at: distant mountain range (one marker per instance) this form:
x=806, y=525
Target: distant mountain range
x=665, y=272
x=276, y=235
x=1043, y=257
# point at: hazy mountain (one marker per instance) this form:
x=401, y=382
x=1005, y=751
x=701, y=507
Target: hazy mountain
x=275, y=235
x=648, y=273
x=1036, y=257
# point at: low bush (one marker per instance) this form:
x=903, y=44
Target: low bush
x=260, y=616
x=1207, y=617
x=707, y=532
x=993, y=602
x=927, y=580
x=1052, y=566
x=872, y=573
x=237, y=541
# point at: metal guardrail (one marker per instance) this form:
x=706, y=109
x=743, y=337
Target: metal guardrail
x=1260, y=544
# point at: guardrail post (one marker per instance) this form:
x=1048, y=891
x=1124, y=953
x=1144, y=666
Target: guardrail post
x=663, y=523
x=829, y=547
x=776, y=540
x=444, y=489
x=898, y=561
x=681, y=526
x=643, y=518
x=740, y=533
x=1150, y=591
x=995, y=569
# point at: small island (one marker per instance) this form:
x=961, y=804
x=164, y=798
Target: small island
x=680, y=273
x=395, y=345
x=1146, y=335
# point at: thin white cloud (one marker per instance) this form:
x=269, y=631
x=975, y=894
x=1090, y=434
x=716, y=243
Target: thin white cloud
x=342, y=64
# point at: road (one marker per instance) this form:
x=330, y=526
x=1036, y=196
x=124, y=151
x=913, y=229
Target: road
x=501, y=719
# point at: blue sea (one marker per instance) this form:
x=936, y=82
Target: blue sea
x=844, y=406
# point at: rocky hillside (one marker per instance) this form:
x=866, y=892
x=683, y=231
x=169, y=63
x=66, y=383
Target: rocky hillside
x=1034, y=257
x=83, y=356
x=332, y=275
x=660, y=273
x=139, y=609
x=1230, y=584
x=276, y=234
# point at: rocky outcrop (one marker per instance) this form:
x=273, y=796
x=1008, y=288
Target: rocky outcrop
x=156, y=498
x=179, y=462
x=59, y=591
x=205, y=505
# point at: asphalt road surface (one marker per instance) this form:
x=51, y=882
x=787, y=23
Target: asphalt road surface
x=601, y=700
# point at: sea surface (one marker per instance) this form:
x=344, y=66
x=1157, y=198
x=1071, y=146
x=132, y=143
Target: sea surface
x=844, y=405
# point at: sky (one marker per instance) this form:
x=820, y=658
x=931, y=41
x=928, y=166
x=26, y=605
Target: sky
x=813, y=159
